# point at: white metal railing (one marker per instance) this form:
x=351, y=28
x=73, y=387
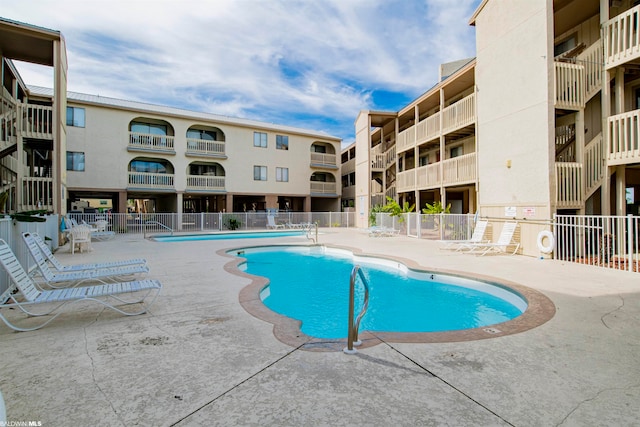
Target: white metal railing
x=160, y=181
x=569, y=86
x=428, y=176
x=204, y=182
x=37, y=193
x=624, y=130
x=148, y=141
x=205, y=147
x=36, y=121
x=428, y=128
x=323, y=159
x=605, y=241
x=459, y=170
x=594, y=165
x=406, y=139
x=622, y=38
x=568, y=177
x=406, y=180
x=460, y=114
x=592, y=61
x=319, y=187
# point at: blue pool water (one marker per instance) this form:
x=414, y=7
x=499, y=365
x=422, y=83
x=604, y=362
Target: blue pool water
x=226, y=236
x=311, y=284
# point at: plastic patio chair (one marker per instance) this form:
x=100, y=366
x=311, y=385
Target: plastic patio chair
x=476, y=237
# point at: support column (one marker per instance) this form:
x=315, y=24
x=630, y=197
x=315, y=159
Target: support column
x=580, y=143
x=179, y=197
x=443, y=157
x=228, y=203
x=621, y=185
x=307, y=204
x=271, y=201
x=606, y=112
x=122, y=202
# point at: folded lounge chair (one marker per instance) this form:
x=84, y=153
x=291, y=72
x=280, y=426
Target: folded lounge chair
x=35, y=243
x=75, y=277
x=476, y=237
x=25, y=295
x=271, y=223
x=505, y=240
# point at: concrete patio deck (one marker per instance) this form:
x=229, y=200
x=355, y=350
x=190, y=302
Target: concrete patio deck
x=198, y=358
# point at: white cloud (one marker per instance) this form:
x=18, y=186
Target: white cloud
x=250, y=58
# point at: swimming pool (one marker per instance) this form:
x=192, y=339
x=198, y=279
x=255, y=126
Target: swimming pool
x=228, y=236
x=314, y=289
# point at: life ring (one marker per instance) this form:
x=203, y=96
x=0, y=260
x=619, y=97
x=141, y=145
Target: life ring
x=551, y=241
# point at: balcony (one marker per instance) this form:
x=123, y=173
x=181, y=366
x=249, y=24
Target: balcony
x=459, y=170
x=382, y=160
x=35, y=121
x=569, y=185
x=406, y=181
x=428, y=129
x=151, y=143
x=151, y=181
x=205, y=183
x=319, y=187
x=569, y=86
x=460, y=114
x=205, y=148
x=429, y=176
x=323, y=160
x=622, y=38
x=624, y=130
x=576, y=182
x=37, y=193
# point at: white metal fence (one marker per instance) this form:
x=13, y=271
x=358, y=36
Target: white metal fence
x=604, y=241
x=429, y=226
x=198, y=222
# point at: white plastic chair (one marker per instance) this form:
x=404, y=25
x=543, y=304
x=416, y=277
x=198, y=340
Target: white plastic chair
x=271, y=223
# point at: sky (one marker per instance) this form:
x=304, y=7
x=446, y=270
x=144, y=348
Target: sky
x=313, y=64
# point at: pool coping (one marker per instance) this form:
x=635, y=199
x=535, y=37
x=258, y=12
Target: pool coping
x=540, y=308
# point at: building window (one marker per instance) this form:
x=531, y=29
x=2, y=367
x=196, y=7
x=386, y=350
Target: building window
x=423, y=160
x=260, y=139
x=282, y=142
x=206, y=135
x=282, y=174
x=148, y=128
x=75, y=117
x=259, y=173
x=455, y=152
x=75, y=161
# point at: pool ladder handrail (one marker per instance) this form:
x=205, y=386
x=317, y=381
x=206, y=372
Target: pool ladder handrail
x=354, y=325
x=312, y=226
x=154, y=223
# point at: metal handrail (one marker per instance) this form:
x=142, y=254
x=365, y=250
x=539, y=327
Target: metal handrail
x=155, y=223
x=354, y=326
x=309, y=235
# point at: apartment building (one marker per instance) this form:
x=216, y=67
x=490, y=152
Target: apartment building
x=545, y=120
x=140, y=157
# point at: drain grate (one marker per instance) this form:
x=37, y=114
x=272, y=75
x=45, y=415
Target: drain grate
x=492, y=331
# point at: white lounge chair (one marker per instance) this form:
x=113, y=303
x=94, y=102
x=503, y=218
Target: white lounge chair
x=271, y=223
x=476, y=237
x=80, y=236
x=505, y=240
x=381, y=231
x=25, y=295
x=35, y=243
x=75, y=277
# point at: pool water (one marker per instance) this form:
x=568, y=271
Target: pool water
x=228, y=236
x=311, y=284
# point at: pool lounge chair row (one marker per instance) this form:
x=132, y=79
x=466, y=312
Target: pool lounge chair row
x=381, y=231
x=476, y=244
x=48, y=298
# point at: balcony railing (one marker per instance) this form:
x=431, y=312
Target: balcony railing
x=459, y=170
x=319, y=187
x=323, y=159
x=202, y=147
x=406, y=139
x=623, y=138
x=153, y=181
x=569, y=184
x=592, y=59
x=37, y=193
x=569, y=86
x=622, y=38
x=151, y=142
x=205, y=183
x=428, y=176
x=406, y=181
x=36, y=121
x=428, y=128
x=460, y=114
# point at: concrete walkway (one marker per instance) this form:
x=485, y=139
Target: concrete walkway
x=198, y=358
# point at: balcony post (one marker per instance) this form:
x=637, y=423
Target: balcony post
x=580, y=154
